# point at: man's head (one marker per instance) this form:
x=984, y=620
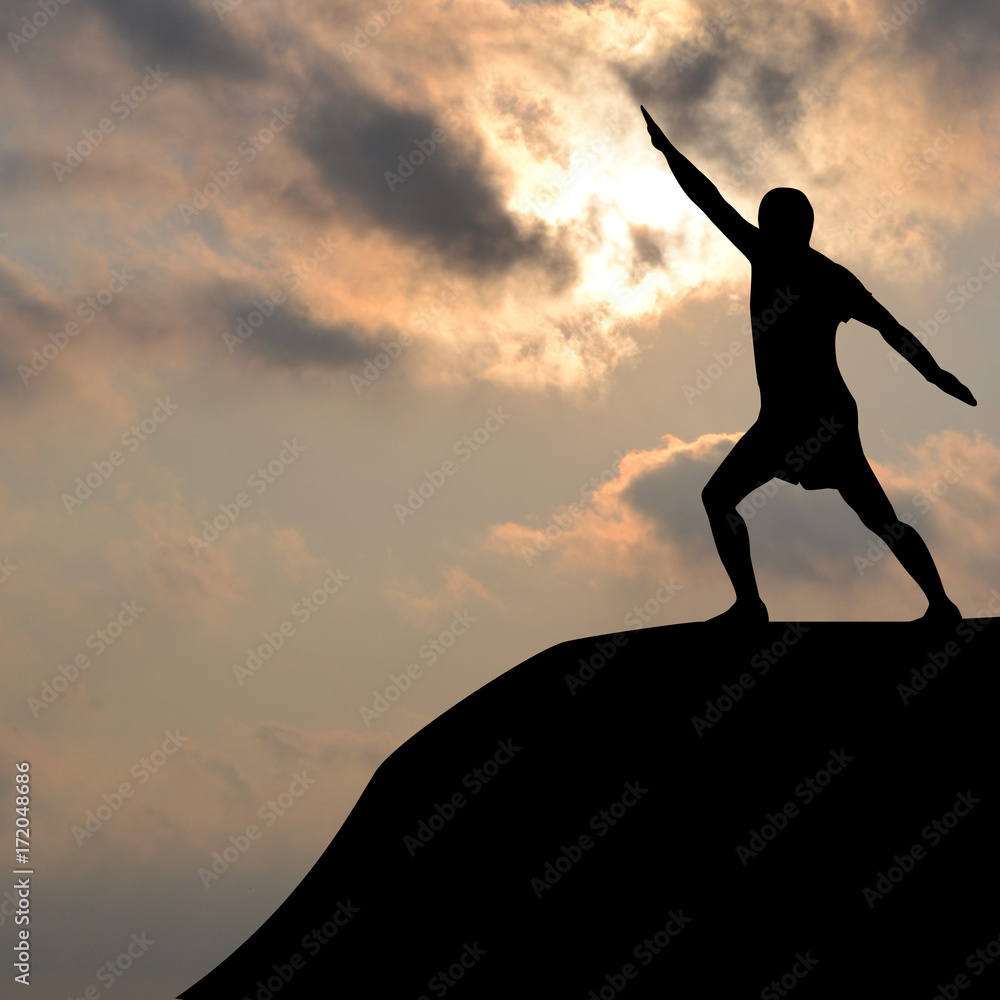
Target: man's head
x=786, y=217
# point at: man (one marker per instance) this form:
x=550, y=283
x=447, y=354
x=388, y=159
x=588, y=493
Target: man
x=803, y=396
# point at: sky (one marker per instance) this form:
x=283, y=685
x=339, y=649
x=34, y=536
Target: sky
x=338, y=345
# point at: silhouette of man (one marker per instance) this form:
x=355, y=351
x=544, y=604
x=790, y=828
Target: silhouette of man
x=807, y=428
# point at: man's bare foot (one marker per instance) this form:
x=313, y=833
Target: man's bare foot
x=745, y=612
x=943, y=612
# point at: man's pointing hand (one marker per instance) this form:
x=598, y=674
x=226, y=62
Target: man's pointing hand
x=659, y=140
x=947, y=382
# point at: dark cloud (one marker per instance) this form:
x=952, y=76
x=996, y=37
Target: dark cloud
x=961, y=38
x=678, y=93
x=292, y=339
x=670, y=495
x=230, y=776
x=752, y=54
x=646, y=244
x=772, y=87
x=180, y=35
x=452, y=201
x=275, y=739
x=794, y=532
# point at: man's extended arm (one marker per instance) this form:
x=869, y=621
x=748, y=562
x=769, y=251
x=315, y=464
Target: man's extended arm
x=703, y=192
x=900, y=339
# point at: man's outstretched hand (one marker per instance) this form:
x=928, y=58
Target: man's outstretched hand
x=656, y=135
x=947, y=382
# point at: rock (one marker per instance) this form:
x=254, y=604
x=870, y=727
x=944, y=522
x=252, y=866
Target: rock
x=673, y=811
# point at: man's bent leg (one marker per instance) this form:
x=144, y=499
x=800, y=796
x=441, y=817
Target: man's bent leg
x=739, y=474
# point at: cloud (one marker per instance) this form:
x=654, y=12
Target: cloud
x=229, y=774
x=28, y=311
x=646, y=517
x=291, y=747
x=448, y=196
x=181, y=35
x=721, y=76
x=425, y=609
x=291, y=339
x=650, y=517
x=961, y=41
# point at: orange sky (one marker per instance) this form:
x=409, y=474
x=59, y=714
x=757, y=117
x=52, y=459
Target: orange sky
x=262, y=269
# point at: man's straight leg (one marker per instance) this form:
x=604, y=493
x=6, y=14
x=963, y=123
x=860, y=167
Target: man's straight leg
x=864, y=494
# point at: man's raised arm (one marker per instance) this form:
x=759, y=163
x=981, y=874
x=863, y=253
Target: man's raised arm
x=876, y=315
x=703, y=192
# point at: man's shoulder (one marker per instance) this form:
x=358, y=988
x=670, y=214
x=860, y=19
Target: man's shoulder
x=818, y=259
x=831, y=270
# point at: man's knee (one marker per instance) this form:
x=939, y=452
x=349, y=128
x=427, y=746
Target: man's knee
x=716, y=498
